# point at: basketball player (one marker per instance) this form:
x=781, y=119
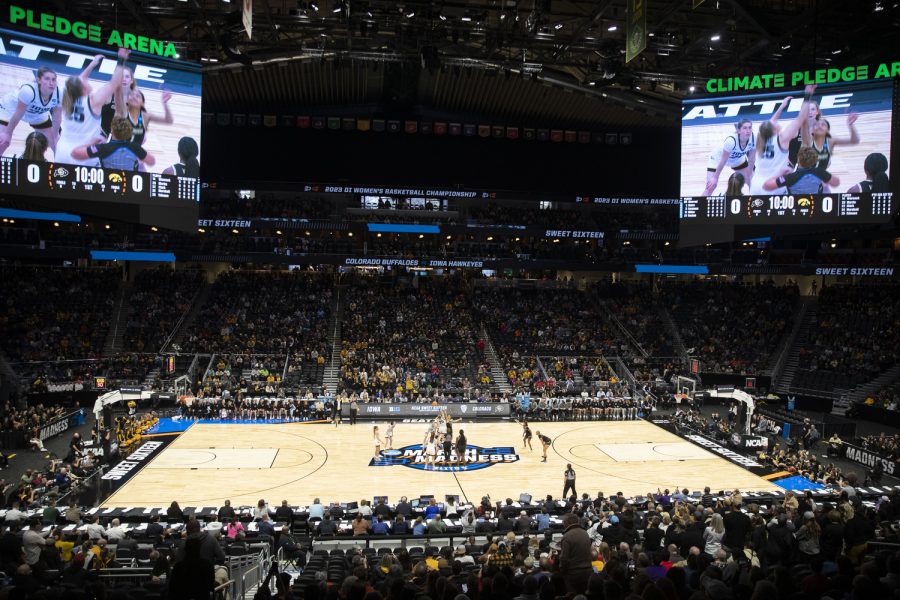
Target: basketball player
x=118, y=153
x=526, y=434
x=81, y=111
x=430, y=452
x=35, y=102
x=388, y=434
x=188, y=150
x=461, y=445
x=807, y=179
x=813, y=114
x=36, y=145
x=736, y=152
x=773, y=145
x=141, y=118
x=377, y=441
x=821, y=141
x=875, y=166
x=545, y=442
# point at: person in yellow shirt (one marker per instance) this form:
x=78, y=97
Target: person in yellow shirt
x=64, y=547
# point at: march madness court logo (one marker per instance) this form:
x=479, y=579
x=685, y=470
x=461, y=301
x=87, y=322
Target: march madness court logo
x=476, y=458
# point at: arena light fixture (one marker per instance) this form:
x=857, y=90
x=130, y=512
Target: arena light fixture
x=611, y=28
x=349, y=234
x=201, y=230
x=715, y=38
x=277, y=232
x=235, y=231
x=106, y=226
x=56, y=223
x=692, y=89
x=410, y=14
x=154, y=228
x=558, y=26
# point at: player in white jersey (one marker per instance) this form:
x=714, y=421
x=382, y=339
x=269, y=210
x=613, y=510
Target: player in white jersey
x=736, y=152
x=773, y=146
x=81, y=106
x=36, y=103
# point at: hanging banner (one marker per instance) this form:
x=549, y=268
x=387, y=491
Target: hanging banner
x=636, y=29
x=247, y=18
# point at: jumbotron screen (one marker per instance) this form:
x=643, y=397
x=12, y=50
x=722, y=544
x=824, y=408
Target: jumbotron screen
x=785, y=158
x=80, y=123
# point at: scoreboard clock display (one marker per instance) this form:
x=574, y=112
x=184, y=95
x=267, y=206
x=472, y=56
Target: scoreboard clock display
x=78, y=182
x=813, y=209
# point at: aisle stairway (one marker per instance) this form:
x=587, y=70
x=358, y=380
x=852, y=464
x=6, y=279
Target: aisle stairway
x=332, y=375
x=176, y=337
x=498, y=375
x=116, y=335
x=804, y=326
x=778, y=360
x=672, y=330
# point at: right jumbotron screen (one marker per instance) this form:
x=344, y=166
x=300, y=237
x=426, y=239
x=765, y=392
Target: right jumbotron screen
x=797, y=157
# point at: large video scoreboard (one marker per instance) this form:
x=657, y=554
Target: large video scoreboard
x=743, y=170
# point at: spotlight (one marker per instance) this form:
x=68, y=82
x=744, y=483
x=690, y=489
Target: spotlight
x=611, y=28
x=715, y=38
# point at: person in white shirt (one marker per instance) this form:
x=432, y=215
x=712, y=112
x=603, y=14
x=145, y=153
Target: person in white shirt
x=14, y=515
x=94, y=529
x=115, y=531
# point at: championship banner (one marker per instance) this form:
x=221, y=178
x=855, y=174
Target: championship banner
x=247, y=18
x=635, y=29
x=427, y=411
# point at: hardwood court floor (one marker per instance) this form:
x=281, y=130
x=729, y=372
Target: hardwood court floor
x=298, y=462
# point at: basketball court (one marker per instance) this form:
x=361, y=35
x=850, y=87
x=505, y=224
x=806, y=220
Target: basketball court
x=298, y=462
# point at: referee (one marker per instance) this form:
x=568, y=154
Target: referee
x=569, y=477
x=461, y=445
x=545, y=442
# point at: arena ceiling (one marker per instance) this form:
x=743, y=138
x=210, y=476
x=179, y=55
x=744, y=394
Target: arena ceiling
x=550, y=60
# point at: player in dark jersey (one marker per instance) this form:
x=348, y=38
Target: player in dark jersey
x=545, y=442
x=118, y=153
x=141, y=118
x=526, y=434
x=824, y=144
x=188, y=150
x=875, y=166
x=808, y=179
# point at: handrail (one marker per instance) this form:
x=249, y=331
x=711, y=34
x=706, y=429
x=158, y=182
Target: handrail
x=627, y=333
x=183, y=317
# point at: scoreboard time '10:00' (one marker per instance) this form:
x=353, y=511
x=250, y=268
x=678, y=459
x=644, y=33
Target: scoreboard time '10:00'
x=80, y=182
x=789, y=208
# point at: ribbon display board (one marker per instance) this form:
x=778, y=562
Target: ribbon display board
x=427, y=411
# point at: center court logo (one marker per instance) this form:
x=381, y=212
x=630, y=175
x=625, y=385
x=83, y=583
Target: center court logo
x=476, y=458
